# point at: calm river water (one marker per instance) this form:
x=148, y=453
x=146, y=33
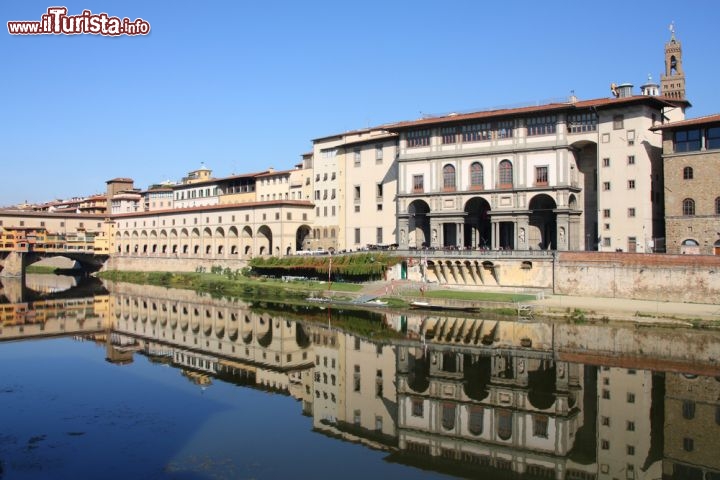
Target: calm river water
x=144, y=382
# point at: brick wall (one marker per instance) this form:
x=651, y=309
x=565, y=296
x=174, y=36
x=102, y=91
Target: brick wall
x=677, y=278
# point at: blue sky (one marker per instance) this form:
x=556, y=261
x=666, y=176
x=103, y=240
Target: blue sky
x=243, y=86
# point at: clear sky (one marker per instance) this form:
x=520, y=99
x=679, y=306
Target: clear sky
x=243, y=86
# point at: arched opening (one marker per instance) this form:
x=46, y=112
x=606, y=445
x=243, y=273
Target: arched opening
x=690, y=246
x=542, y=231
x=477, y=224
x=302, y=238
x=265, y=240
x=419, y=225
x=246, y=241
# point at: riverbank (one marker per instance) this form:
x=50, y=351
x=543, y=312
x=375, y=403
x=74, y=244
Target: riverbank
x=400, y=295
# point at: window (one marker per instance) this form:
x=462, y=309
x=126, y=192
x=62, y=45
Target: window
x=541, y=176
x=505, y=129
x=506, y=174
x=607, y=242
x=476, y=420
x=540, y=426
x=631, y=137
x=418, y=184
x=688, y=409
x=327, y=153
x=606, y=185
x=717, y=206
x=631, y=159
x=688, y=444
x=606, y=226
x=357, y=235
x=476, y=132
x=687, y=173
x=630, y=450
x=476, y=176
x=606, y=213
x=618, y=122
x=606, y=162
x=448, y=135
x=356, y=157
x=418, y=138
x=378, y=153
x=688, y=207
x=379, y=235
x=448, y=416
x=630, y=397
x=687, y=140
x=449, y=178
x=356, y=193
x=631, y=212
x=417, y=407
x=606, y=394
x=631, y=184
x=605, y=421
x=604, y=444
x=541, y=125
x=505, y=418
x=582, y=122
x=713, y=138
x=630, y=427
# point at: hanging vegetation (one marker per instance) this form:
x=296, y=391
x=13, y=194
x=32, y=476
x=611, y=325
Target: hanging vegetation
x=356, y=267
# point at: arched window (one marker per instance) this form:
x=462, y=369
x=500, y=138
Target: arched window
x=504, y=425
x=506, y=174
x=687, y=173
x=688, y=207
x=448, y=416
x=476, y=420
x=717, y=206
x=476, y=176
x=448, y=178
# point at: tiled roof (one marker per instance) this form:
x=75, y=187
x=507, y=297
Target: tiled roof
x=715, y=118
x=599, y=103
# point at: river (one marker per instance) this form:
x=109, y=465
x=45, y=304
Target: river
x=127, y=381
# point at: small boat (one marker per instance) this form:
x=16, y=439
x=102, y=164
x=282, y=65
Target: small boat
x=433, y=306
x=377, y=303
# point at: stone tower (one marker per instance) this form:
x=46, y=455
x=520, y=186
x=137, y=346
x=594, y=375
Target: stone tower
x=672, y=83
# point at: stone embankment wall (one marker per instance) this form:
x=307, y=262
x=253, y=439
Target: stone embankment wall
x=672, y=278
x=145, y=264
x=686, y=350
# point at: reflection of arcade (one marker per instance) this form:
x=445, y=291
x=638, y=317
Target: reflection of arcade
x=490, y=410
x=345, y=383
x=48, y=318
x=211, y=337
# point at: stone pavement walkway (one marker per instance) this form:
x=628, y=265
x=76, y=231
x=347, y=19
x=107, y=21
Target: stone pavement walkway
x=616, y=308
x=625, y=307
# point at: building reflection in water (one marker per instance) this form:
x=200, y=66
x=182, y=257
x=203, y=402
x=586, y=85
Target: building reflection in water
x=456, y=395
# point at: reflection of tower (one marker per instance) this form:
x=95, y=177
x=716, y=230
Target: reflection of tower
x=673, y=82
x=624, y=424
